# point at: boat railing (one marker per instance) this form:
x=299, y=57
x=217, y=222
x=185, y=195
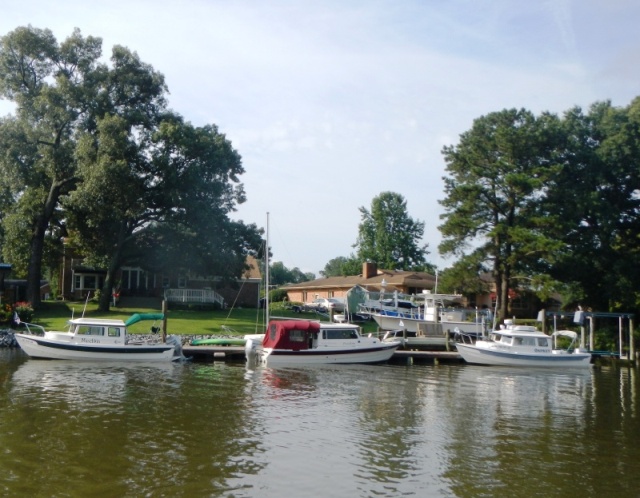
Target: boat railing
x=466, y=338
x=40, y=329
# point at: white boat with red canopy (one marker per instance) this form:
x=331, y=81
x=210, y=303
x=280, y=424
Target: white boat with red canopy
x=97, y=339
x=305, y=342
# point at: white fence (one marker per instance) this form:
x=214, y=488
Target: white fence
x=193, y=296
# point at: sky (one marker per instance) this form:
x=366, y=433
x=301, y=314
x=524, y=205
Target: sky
x=331, y=103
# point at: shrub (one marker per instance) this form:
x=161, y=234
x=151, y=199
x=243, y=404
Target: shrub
x=277, y=295
x=24, y=310
x=5, y=313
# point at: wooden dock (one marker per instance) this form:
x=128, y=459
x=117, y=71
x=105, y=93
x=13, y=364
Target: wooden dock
x=236, y=353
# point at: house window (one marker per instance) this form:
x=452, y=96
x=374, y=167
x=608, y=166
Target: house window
x=182, y=282
x=133, y=279
x=87, y=282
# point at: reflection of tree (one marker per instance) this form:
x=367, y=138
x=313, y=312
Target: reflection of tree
x=176, y=430
x=511, y=426
x=391, y=415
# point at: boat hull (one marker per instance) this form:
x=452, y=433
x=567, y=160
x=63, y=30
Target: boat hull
x=479, y=356
x=322, y=356
x=386, y=322
x=40, y=347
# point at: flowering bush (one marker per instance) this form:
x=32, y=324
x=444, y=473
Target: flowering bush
x=24, y=311
x=5, y=313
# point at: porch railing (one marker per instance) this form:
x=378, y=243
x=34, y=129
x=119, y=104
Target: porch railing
x=207, y=296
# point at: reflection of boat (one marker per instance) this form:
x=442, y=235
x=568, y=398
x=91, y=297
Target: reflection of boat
x=434, y=314
x=522, y=345
x=95, y=384
x=97, y=339
x=309, y=342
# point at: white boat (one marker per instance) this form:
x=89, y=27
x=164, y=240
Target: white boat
x=375, y=302
x=97, y=339
x=306, y=342
x=523, y=345
x=434, y=311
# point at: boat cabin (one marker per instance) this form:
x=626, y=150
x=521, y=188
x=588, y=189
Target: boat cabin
x=294, y=335
x=298, y=335
x=101, y=330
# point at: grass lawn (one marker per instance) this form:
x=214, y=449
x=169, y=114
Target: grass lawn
x=53, y=315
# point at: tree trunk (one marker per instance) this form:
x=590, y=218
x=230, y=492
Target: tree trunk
x=34, y=275
x=104, y=303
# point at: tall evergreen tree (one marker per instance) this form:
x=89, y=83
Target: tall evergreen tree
x=492, y=205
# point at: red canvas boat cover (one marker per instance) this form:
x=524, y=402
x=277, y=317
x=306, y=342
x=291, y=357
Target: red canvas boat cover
x=290, y=334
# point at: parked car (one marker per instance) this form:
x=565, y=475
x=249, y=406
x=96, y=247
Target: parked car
x=323, y=305
x=338, y=305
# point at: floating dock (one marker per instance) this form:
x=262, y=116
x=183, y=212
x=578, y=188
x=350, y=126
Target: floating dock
x=235, y=353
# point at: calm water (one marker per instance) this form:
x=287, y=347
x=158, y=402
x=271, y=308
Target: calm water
x=199, y=430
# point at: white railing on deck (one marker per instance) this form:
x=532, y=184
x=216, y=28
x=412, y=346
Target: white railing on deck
x=193, y=296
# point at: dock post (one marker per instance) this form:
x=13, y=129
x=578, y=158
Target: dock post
x=164, y=320
x=632, y=346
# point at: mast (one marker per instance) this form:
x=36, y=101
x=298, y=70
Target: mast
x=266, y=277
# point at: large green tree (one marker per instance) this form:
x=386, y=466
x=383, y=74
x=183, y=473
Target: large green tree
x=92, y=152
x=594, y=202
x=170, y=183
x=61, y=91
x=388, y=236
x=496, y=174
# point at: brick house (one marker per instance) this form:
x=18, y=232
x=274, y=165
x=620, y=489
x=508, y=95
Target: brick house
x=371, y=279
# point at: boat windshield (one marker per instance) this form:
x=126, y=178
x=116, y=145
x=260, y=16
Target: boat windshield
x=89, y=330
x=339, y=334
x=525, y=341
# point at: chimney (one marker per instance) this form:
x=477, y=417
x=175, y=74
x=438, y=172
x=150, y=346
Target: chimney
x=369, y=270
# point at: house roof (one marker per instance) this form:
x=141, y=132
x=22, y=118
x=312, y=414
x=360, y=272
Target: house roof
x=393, y=279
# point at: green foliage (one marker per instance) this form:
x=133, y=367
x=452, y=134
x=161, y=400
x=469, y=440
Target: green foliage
x=6, y=313
x=93, y=152
x=492, y=195
x=279, y=274
x=57, y=88
x=594, y=199
x=25, y=311
x=464, y=277
x=342, y=267
x=277, y=295
x=388, y=236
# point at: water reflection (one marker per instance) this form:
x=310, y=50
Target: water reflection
x=69, y=429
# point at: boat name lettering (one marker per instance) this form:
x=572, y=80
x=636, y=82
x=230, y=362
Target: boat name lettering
x=540, y=350
x=92, y=341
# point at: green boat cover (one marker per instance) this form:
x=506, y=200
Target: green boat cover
x=138, y=317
